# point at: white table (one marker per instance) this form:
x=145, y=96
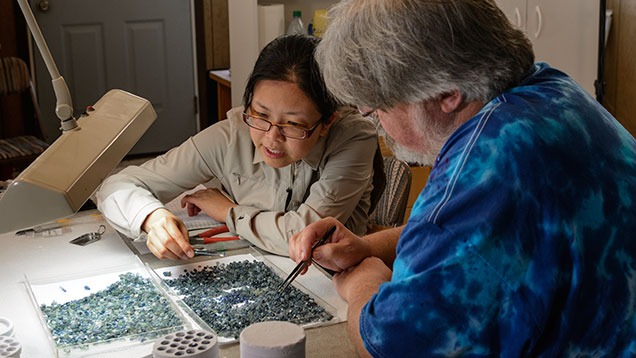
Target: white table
x=39, y=257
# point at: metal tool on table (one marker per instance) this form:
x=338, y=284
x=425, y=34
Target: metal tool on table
x=303, y=264
x=38, y=229
x=204, y=252
x=90, y=237
x=56, y=228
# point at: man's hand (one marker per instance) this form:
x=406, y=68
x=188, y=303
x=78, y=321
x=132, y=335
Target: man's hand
x=210, y=201
x=167, y=236
x=343, y=250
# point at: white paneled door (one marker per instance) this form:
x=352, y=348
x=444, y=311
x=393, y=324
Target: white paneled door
x=141, y=46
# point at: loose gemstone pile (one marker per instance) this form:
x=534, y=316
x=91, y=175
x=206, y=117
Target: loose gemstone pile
x=230, y=297
x=130, y=306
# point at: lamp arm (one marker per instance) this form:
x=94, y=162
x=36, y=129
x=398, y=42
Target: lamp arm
x=64, y=103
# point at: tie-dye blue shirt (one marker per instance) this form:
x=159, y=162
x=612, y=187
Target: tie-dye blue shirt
x=523, y=242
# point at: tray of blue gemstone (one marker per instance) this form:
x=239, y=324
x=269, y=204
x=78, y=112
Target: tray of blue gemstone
x=228, y=294
x=93, y=313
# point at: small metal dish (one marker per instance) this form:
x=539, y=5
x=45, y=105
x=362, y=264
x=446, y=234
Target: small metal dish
x=90, y=237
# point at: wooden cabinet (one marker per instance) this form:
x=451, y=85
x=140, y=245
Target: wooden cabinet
x=216, y=34
x=564, y=33
x=223, y=92
x=620, y=64
x=418, y=182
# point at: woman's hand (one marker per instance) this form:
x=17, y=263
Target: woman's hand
x=210, y=201
x=167, y=236
x=343, y=250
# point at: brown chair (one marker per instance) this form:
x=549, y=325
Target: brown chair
x=17, y=152
x=390, y=210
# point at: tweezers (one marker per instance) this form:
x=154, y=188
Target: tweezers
x=303, y=264
x=203, y=252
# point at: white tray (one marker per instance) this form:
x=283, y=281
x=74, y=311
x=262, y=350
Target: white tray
x=72, y=286
x=175, y=271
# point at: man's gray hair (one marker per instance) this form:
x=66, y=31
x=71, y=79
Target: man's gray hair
x=379, y=53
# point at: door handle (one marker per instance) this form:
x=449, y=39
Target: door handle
x=43, y=5
x=539, y=20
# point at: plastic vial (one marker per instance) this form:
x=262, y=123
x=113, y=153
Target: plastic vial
x=296, y=26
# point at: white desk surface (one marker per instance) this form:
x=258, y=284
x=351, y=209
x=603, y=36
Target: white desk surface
x=40, y=257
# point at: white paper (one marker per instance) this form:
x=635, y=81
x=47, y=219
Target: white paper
x=200, y=221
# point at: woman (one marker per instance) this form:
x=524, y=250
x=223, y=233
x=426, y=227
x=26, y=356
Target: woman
x=286, y=159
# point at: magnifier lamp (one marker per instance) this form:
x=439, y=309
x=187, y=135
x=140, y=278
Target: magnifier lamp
x=63, y=177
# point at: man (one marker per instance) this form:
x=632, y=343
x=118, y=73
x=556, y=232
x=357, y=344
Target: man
x=522, y=242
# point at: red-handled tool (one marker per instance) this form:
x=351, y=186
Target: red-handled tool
x=206, y=236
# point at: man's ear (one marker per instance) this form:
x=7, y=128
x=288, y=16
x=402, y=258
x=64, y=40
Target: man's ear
x=328, y=123
x=450, y=101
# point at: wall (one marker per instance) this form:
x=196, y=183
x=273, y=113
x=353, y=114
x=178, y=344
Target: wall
x=243, y=24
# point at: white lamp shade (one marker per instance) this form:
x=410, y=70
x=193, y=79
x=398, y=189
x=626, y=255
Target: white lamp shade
x=62, y=178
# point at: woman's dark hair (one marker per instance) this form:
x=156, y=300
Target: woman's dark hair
x=291, y=59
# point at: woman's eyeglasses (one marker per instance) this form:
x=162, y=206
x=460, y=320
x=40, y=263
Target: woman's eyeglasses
x=368, y=112
x=286, y=130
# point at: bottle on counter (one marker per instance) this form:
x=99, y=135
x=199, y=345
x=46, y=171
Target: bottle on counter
x=319, y=23
x=296, y=26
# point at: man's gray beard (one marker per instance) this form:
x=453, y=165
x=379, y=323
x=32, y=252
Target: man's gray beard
x=406, y=155
x=435, y=137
